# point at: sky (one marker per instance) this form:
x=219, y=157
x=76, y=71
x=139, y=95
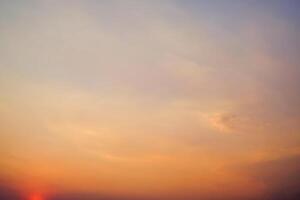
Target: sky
x=149, y=100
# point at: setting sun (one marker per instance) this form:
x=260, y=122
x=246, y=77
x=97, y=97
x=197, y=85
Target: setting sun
x=36, y=197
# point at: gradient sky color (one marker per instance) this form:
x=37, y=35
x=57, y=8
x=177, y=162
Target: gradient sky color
x=149, y=100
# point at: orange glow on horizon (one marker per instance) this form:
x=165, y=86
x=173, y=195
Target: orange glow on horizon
x=36, y=197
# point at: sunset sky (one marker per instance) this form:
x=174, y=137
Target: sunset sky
x=149, y=100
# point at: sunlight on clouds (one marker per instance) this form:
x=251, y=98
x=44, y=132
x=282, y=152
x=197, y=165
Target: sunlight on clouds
x=147, y=99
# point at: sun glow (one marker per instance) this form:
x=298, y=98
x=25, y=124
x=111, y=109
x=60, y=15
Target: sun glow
x=36, y=197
